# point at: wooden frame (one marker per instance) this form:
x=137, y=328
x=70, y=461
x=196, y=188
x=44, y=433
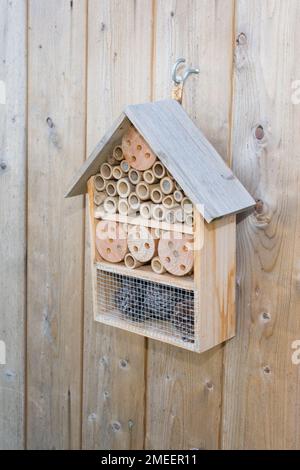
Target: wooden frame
x=213, y=283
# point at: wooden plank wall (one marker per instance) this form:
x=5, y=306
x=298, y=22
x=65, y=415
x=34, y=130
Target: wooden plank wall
x=71, y=383
x=56, y=148
x=13, y=27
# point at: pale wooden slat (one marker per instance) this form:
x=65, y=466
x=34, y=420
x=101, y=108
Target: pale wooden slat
x=99, y=155
x=118, y=74
x=12, y=219
x=57, y=44
x=191, y=159
x=145, y=272
x=261, y=408
x=138, y=220
x=215, y=276
x=183, y=388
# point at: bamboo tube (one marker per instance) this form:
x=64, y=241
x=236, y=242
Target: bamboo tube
x=111, y=241
x=99, y=212
x=141, y=243
x=136, y=150
x=135, y=176
x=99, y=183
x=157, y=266
x=159, y=170
x=169, y=202
x=106, y=171
x=117, y=172
x=112, y=161
x=158, y=212
x=146, y=209
x=131, y=262
x=178, y=195
x=189, y=219
x=111, y=187
x=167, y=185
x=118, y=153
x=134, y=201
x=177, y=186
x=187, y=205
x=111, y=204
x=170, y=216
x=124, y=187
x=99, y=197
x=124, y=208
x=143, y=191
x=179, y=215
x=124, y=166
x=170, y=176
x=149, y=177
x=176, y=253
x=156, y=194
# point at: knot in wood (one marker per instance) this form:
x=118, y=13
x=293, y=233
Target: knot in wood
x=116, y=426
x=241, y=40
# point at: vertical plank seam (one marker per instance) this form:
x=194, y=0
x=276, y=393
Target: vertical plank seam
x=231, y=105
x=83, y=284
x=26, y=208
x=229, y=154
x=153, y=48
x=152, y=81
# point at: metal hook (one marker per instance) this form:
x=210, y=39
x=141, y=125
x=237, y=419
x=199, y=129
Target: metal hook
x=177, y=79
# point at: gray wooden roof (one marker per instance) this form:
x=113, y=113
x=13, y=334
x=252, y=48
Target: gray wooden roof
x=183, y=149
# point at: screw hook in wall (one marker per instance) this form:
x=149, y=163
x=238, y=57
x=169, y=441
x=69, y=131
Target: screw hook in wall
x=180, y=79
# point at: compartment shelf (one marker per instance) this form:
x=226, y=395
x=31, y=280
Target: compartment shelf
x=145, y=272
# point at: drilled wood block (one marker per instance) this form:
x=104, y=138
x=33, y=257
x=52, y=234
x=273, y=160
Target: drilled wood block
x=141, y=243
x=111, y=241
x=176, y=253
x=136, y=150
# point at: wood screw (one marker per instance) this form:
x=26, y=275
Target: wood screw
x=259, y=206
x=130, y=424
x=209, y=385
x=266, y=316
x=123, y=363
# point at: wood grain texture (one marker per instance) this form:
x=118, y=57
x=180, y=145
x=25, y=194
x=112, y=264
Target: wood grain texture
x=118, y=74
x=184, y=389
x=57, y=39
x=215, y=276
x=98, y=155
x=190, y=158
x=12, y=220
x=182, y=148
x=261, y=404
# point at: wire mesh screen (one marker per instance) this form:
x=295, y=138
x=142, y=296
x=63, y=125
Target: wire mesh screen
x=159, y=309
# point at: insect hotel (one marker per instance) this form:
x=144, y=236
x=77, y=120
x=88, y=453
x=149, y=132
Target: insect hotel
x=162, y=208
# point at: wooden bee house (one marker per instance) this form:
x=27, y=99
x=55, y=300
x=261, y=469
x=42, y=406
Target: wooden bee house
x=163, y=228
